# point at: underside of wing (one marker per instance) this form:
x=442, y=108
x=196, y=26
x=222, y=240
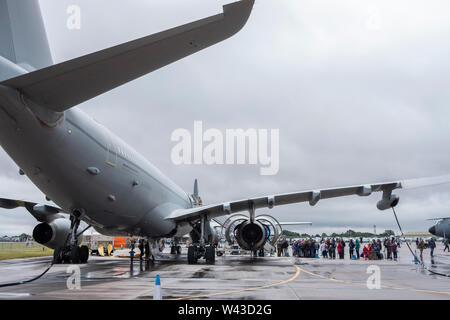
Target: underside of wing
x=67, y=84
x=295, y=223
x=388, y=200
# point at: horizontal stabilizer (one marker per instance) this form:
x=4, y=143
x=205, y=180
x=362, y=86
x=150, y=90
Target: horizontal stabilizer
x=42, y=213
x=67, y=84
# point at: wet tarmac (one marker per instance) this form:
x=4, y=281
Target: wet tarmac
x=233, y=277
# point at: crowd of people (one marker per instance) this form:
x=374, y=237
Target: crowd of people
x=331, y=248
x=306, y=248
x=373, y=250
x=431, y=244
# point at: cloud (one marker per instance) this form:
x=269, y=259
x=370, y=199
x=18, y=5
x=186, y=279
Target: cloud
x=354, y=103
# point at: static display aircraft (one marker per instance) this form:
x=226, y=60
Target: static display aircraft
x=441, y=227
x=95, y=177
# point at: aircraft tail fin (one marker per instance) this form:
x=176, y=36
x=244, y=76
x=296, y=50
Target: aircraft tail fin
x=195, y=189
x=23, y=39
x=62, y=86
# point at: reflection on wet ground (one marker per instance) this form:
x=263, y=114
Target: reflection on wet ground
x=117, y=278
x=440, y=263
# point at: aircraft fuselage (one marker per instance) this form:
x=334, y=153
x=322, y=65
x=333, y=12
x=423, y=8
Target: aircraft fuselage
x=441, y=228
x=80, y=164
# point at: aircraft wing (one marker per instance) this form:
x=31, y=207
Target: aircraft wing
x=42, y=212
x=221, y=221
x=67, y=84
x=311, y=196
x=296, y=223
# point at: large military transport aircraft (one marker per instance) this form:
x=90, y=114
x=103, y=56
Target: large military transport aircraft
x=92, y=175
x=441, y=227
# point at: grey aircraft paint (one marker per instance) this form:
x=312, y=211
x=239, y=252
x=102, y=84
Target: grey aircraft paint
x=81, y=165
x=127, y=191
x=75, y=161
x=22, y=29
x=127, y=196
x=441, y=228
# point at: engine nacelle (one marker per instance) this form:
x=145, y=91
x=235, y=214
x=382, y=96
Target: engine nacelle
x=251, y=235
x=387, y=203
x=52, y=234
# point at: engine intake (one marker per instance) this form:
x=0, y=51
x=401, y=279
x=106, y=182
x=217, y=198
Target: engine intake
x=251, y=235
x=52, y=234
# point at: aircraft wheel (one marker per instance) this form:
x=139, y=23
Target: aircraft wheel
x=210, y=255
x=75, y=254
x=84, y=254
x=57, y=256
x=192, y=255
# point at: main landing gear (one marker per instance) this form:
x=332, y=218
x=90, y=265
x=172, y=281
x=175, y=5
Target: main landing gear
x=196, y=252
x=70, y=252
x=175, y=248
x=199, y=249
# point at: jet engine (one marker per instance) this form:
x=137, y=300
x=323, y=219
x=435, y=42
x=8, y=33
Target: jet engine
x=252, y=235
x=52, y=234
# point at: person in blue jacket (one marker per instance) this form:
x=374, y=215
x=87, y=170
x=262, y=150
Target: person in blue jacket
x=431, y=245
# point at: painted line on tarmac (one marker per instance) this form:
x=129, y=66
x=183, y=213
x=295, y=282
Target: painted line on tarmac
x=364, y=284
x=243, y=290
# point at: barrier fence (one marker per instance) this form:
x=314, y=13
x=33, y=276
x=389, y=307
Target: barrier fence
x=31, y=245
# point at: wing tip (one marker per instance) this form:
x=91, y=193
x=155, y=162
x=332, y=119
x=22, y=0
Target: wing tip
x=238, y=13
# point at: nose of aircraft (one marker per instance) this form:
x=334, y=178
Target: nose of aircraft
x=432, y=230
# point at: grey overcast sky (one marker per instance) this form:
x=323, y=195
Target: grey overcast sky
x=358, y=89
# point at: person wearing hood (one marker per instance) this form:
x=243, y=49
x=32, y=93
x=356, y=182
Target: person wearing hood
x=340, y=249
x=431, y=245
x=357, y=246
x=366, y=252
x=351, y=248
x=332, y=249
x=394, y=250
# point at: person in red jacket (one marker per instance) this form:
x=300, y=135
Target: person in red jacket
x=365, y=252
x=340, y=250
